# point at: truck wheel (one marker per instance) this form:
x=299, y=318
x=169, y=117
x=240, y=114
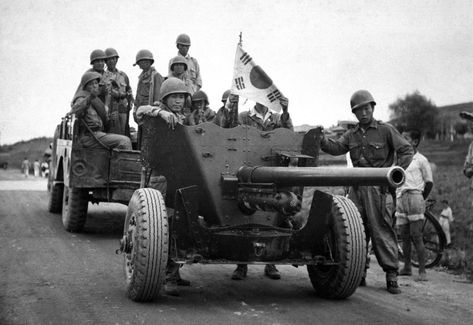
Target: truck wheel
x=146, y=236
x=344, y=242
x=74, y=208
x=56, y=193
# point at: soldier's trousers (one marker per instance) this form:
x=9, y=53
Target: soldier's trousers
x=376, y=207
x=108, y=139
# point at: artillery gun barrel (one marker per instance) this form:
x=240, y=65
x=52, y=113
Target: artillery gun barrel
x=322, y=176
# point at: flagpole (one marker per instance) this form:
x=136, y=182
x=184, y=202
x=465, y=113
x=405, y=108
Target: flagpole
x=241, y=41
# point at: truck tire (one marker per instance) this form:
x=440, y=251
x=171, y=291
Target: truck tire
x=74, y=208
x=56, y=193
x=346, y=243
x=147, y=236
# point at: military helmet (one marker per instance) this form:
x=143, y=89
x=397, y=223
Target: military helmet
x=225, y=95
x=97, y=55
x=111, y=52
x=200, y=95
x=179, y=59
x=88, y=77
x=172, y=86
x=144, y=55
x=360, y=98
x=183, y=39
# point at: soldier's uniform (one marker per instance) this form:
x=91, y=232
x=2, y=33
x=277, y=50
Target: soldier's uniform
x=268, y=122
x=121, y=102
x=94, y=115
x=147, y=91
x=375, y=147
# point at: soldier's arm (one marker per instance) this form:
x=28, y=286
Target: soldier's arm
x=79, y=106
x=158, y=80
x=403, y=149
x=335, y=147
x=198, y=80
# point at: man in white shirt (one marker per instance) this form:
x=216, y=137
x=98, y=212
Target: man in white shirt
x=410, y=206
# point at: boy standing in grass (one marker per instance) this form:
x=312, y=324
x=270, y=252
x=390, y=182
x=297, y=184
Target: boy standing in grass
x=411, y=206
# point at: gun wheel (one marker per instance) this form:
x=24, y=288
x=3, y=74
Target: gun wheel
x=147, y=237
x=346, y=244
x=74, y=208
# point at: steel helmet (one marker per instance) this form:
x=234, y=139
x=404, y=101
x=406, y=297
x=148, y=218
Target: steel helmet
x=111, y=52
x=88, y=77
x=200, y=95
x=183, y=39
x=97, y=55
x=172, y=86
x=360, y=98
x=179, y=59
x=226, y=94
x=144, y=55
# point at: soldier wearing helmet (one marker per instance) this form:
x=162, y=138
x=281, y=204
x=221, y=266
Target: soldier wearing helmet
x=178, y=69
x=121, y=95
x=200, y=108
x=149, y=81
x=87, y=107
x=227, y=115
x=183, y=42
x=97, y=60
x=372, y=143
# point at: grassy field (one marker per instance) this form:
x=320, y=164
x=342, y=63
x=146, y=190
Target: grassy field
x=450, y=184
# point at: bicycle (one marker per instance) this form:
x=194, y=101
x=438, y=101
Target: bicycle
x=434, y=239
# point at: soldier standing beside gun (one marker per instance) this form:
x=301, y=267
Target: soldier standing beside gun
x=118, y=87
x=373, y=144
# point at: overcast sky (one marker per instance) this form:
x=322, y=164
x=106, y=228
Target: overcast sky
x=317, y=52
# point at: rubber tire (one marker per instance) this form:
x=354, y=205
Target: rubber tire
x=74, y=208
x=146, y=225
x=56, y=193
x=346, y=237
x=433, y=256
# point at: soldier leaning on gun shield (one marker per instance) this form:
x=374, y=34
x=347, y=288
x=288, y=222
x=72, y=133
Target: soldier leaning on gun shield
x=173, y=96
x=468, y=166
x=373, y=143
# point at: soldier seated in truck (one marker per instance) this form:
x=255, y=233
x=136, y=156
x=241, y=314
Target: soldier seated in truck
x=93, y=115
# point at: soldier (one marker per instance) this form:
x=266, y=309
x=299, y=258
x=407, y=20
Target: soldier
x=183, y=42
x=149, y=81
x=373, y=143
x=121, y=96
x=178, y=69
x=410, y=206
x=93, y=115
x=97, y=60
x=173, y=96
x=200, y=104
x=265, y=120
x=227, y=115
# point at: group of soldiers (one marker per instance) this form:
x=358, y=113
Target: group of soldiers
x=104, y=101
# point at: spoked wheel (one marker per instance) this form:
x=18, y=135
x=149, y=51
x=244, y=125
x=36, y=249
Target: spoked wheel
x=145, y=243
x=345, y=244
x=434, y=242
x=74, y=208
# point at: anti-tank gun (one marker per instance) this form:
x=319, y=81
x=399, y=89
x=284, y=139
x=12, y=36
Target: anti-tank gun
x=228, y=194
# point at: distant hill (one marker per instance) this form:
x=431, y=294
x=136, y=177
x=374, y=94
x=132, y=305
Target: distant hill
x=32, y=149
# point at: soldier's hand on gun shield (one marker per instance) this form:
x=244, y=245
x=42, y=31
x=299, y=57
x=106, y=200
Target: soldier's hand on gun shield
x=319, y=132
x=169, y=117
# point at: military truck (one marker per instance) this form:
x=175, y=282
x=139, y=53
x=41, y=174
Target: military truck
x=80, y=175
x=229, y=198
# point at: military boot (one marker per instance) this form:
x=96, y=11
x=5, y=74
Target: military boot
x=272, y=272
x=391, y=283
x=240, y=272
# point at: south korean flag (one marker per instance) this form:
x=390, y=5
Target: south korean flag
x=251, y=82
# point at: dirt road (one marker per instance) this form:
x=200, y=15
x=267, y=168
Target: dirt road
x=50, y=276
